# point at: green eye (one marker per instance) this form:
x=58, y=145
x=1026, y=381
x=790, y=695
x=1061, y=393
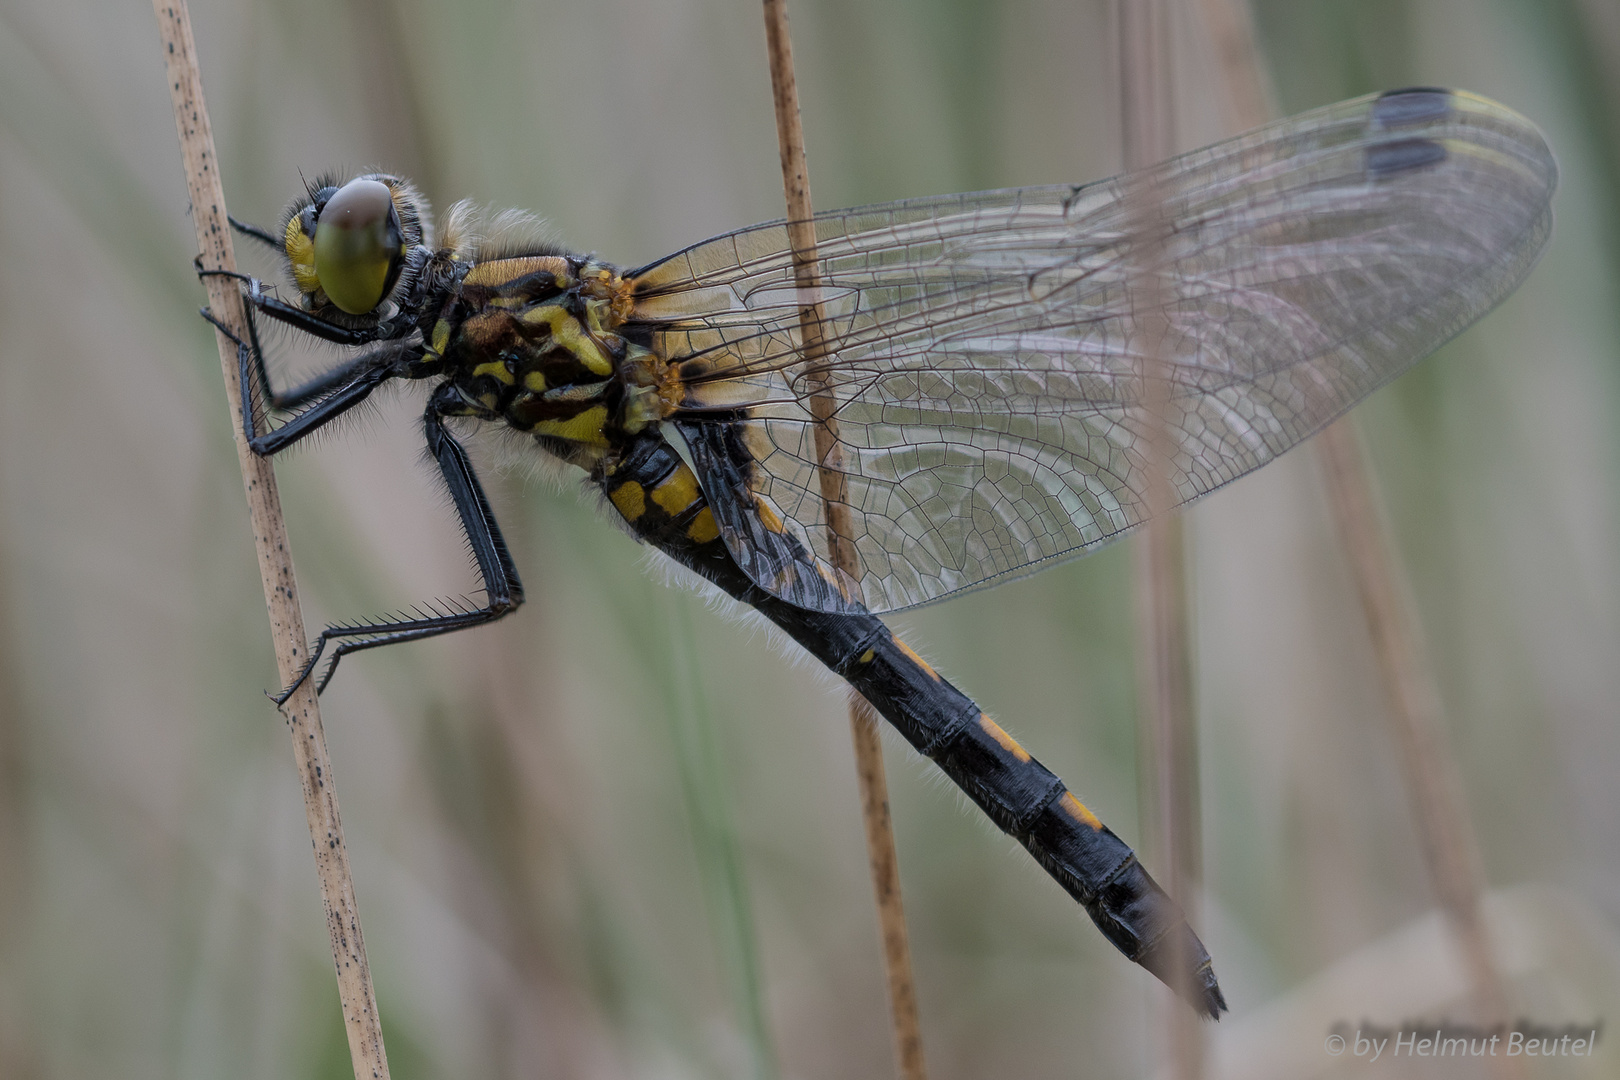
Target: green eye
x=357, y=245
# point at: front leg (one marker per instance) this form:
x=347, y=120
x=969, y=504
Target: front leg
x=503, y=592
x=334, y=392
x=263, y=236
x=273, y=306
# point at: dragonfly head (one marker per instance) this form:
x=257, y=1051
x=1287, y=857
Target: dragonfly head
x=349, y=246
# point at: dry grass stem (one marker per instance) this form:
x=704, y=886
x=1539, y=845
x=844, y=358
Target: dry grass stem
x=863, y=722
x=1433, y=780
x=1164, y=662
x=302, y=710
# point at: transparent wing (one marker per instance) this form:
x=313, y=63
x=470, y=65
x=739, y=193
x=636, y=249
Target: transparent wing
x=984, y=355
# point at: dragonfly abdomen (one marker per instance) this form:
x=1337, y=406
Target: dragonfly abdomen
x=1031, y=804
x=657, y=494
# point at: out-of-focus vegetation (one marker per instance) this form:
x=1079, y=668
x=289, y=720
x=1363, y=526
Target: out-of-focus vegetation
x=617, y=834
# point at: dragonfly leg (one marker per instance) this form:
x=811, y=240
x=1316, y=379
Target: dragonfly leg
x=333, y=392
x=261, y=298
x=503, y=592
x=263, y=236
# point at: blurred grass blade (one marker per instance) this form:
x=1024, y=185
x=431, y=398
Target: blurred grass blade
x=714, y=836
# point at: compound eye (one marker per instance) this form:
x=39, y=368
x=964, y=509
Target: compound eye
x=358, y=243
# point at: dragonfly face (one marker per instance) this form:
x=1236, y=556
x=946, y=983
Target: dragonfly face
x=536, y=340
x=985, y=360
x=346, y=246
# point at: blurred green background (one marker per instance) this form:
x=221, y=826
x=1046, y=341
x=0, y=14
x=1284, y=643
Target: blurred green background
x=617, y=834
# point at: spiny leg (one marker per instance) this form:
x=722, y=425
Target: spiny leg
x=282, y=311
x=250, y=360
x=353, y=380
x=263, y=236
x=306, y=392
x=502, y=589
x=277, y=308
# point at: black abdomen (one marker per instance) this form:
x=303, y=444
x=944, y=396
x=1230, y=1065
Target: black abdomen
x=657, y=494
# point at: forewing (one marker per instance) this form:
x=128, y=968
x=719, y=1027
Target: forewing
x=985, y=350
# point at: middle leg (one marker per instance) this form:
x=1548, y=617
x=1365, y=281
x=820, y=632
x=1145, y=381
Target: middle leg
x=503, y=592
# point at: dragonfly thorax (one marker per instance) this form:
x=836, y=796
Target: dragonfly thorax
x=534, y=342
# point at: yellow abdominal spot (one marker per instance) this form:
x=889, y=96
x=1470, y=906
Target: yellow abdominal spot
x=920, y=662
x=535, y=381
x=868, y=656
x=703, y=528
x=630, y=500
x=584, y=428
x=678, y=492
x=496, y=368
x=1078, y=810
x=566, y=331
x=1008, y=743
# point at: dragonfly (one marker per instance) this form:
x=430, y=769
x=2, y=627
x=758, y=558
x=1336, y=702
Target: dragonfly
x=982, y=380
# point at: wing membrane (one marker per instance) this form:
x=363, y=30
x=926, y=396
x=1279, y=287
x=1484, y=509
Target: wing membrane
x=986, y=350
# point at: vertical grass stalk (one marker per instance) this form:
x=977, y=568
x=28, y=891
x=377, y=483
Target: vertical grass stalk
x=1164, y=662
x=302, y=710
x=862, y=719
x=1417, y=714
x=714, y=837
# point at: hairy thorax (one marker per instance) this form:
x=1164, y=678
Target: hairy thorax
x=540, y=342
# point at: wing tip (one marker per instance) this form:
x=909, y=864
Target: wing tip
x=1412, y=105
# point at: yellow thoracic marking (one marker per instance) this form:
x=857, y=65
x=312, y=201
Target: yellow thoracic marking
x=583, y=428
x=678, y=492
x=498, y=272
x=767, y=516
x=441, y=337
x=1078, y=810
x=566, y=331
x=535, y=381
x=868, y=656
x=1008, y=743
x=496, y=368
x=703, y=528
x=630, y=500
x=920, y=662
x=301, y=253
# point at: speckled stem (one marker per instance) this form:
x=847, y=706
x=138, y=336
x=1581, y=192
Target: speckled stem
x=302, y=710
x=880, y=848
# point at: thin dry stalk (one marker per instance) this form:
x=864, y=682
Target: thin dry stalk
x=302, y=710
x=823, y=405
x=1164, y=662
x=1433, y=780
